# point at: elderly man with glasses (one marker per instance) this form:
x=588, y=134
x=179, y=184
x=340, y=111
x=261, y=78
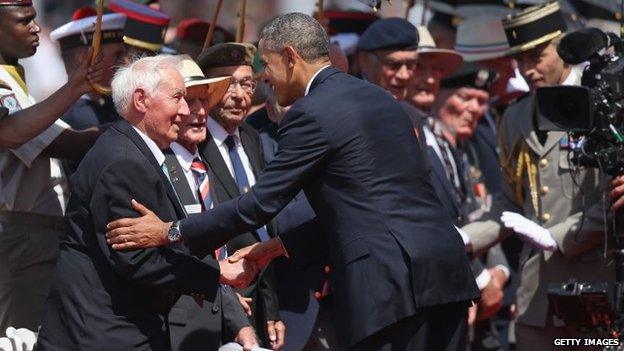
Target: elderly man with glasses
x=233, y=153
x=387, y=55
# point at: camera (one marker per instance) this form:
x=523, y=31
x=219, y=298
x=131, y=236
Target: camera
x=592, y=113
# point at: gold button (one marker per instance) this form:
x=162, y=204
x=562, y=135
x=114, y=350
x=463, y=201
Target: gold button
x=544, y=190
x=543, y=162
x=546, y=217
x=327, y=269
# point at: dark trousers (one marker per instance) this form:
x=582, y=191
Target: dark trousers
x=440, y=328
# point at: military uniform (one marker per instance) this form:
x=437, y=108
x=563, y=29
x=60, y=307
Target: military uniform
x=541, y=183
x=31, y=213
x=546, y=192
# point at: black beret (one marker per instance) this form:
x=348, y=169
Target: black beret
x=227, y=54
x=389, y=34
x=470, y=75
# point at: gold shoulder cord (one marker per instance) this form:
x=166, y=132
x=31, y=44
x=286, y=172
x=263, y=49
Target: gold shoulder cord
x=523, y=162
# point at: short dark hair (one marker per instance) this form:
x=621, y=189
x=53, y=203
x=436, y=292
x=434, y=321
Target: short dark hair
x=300, y=31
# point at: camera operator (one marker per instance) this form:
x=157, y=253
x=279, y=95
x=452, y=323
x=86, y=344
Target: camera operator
x=560, y=222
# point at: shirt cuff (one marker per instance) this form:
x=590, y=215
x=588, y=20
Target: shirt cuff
x=464, y=236
x=505, y=270
x=483, y=279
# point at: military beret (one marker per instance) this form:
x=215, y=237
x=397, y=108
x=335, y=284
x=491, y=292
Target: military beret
x=15, y=3
x=470, y=75
x=79, y=33
x=389, y=34
x=227, y=54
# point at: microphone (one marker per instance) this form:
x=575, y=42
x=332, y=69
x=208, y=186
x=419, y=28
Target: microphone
x=579, y=46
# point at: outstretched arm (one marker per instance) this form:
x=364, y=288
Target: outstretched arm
x=25, y=124
x=302, y=149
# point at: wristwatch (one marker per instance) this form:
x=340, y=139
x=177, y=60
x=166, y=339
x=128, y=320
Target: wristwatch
x=174, y=232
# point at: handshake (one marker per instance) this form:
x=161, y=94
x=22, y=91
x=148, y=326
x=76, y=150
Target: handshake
x=240, y=269
x=147, y=230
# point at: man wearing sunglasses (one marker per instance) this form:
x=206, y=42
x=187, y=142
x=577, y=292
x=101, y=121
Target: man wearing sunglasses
x=387, y=55
x=234, y=155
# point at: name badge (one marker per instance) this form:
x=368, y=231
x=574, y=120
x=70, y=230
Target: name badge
x=192, y=209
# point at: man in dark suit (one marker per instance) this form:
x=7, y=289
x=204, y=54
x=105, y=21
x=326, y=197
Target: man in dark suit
x=402, y=279
x=233, y=153
x=103, y=299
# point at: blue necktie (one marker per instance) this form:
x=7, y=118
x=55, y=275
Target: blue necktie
x=241, y=178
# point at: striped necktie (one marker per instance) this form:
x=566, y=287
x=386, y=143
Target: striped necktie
x=200, y=173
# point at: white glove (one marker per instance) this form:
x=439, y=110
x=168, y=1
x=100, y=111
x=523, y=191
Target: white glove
x=537, y=236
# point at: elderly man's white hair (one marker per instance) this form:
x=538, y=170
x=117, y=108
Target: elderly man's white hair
x=144, y=73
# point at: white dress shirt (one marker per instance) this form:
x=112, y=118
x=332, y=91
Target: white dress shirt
x=312, y=79
x=185, y=158
x=219, y=134
x=158, y=154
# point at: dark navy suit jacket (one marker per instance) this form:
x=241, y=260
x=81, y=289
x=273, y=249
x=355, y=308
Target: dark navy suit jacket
x=297, y=280
x=351, y=147
x=103, y=299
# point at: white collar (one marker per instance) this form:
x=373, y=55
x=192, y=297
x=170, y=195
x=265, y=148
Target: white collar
x=573, y=78
x=158, y=154
x=184, y=156
x=219, y=134
x=312, y=79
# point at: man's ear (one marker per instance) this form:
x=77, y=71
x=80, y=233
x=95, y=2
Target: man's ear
x=140, y=100
x=291, y=55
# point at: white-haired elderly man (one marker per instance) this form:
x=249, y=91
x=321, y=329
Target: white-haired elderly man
x=103, y=299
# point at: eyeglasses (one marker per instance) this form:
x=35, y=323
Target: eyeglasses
x=247, y=84
x=395, y=65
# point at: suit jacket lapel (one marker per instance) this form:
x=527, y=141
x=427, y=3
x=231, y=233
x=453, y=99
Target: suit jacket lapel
x=210, y=153
x=552, y=140
x=440, y=173
x=125, y=128
x=252, y=150
x=178, y=179
x=527, y=128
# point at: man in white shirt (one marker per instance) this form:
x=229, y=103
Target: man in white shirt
x=194, y=326
x=233, y=152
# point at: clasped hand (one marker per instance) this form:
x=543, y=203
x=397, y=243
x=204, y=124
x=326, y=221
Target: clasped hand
x=238, y=274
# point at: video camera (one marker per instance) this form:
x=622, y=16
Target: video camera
x=590, y=113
